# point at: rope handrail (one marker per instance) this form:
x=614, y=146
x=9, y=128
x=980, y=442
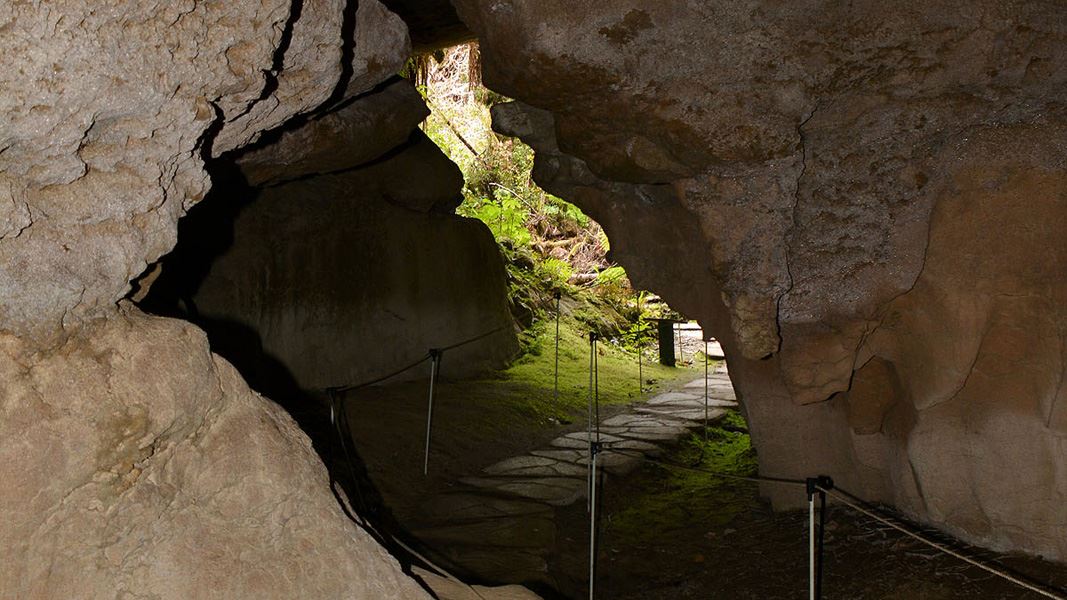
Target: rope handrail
x=476, y=338
x=852, y=502
x=858, y=505
x=847, y=499
x=337, y=416
x=348, y=388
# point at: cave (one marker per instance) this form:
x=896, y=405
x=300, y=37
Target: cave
x=218, y=218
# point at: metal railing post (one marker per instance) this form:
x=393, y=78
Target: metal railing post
x=555, y=395
x=435, y=365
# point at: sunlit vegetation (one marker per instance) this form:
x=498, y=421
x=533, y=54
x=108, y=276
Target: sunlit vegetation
x=549, y=245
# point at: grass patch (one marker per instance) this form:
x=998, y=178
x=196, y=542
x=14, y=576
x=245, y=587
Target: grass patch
x=676, y=498
x=529, y=381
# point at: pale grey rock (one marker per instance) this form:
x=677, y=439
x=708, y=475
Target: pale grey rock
x=185, y=484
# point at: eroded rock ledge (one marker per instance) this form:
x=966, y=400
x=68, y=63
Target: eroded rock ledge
x=865, y=204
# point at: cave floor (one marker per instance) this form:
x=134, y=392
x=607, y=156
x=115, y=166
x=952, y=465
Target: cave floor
x=501, y=505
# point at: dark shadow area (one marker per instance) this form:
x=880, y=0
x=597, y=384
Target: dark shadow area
x=205, y=234
x=432, y=24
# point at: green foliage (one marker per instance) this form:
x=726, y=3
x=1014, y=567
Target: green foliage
x=506, y=218
x=555, y=272
x=694, y=498
x=617, y=369
x=611, y=276
x=548, y=244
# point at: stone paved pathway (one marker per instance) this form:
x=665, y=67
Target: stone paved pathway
x=500, y=523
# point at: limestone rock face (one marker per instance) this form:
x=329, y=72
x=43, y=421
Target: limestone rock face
x=362, y=130
x=816, y=182
x=109, y=109
x=184, y=484
x=136, y=464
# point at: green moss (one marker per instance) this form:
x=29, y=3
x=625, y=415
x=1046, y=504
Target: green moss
x=682, y=498
x=529, y=381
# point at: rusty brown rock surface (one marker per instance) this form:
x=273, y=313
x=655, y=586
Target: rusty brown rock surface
x=864, y=204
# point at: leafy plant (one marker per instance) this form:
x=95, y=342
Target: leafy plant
x=548, y=244
x=555, y=271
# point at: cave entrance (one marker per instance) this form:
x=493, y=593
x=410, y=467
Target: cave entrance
x=502, y=501
x=341, y=250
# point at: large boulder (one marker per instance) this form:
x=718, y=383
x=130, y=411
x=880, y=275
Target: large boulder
x=139, y=465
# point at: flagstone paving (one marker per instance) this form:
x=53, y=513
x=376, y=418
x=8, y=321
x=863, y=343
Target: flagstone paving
x=506, y=510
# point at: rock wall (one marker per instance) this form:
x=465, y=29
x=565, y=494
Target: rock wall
x=336, y=279
x=864, y=203
x=139, y=465
x=136, y=463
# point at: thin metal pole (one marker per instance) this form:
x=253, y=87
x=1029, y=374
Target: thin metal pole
x=435, y=361
x=592, y=527
x=640, y=359
x=811, y=543
x=589, y=432
x=640, y=367
x=705, y=390
x=596, y=390
x=555, y=395
x=594, y=449
x=818, y=548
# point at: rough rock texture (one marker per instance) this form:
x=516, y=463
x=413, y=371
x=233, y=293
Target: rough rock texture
x=352, y=135
x=333, y=280
x=184, y=484
x=865, y=204
x=345, y=261
x=135, y=463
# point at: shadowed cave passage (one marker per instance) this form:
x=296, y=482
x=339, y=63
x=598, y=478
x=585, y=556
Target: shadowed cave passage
x=326, y=276
x=864, y=204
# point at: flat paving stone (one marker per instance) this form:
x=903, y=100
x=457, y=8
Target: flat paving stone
x=713, y=383
x=668, y=397
x=693, y=416
x=571, y=456
x=659, y=434
x=461, y=507
x=697, y=403
x=623, y=419
x=638, y=419
x=577, y=440
x=614, y=462
x=558, y=491
x=645, y=447
x=551, y=468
